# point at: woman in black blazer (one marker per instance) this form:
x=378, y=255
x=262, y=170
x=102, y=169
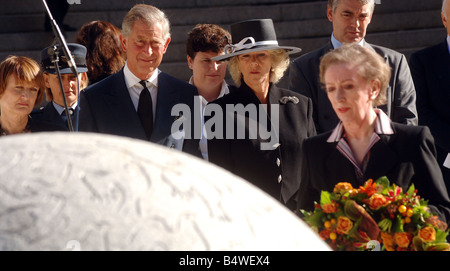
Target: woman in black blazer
x=270, y=161
x=366, y=144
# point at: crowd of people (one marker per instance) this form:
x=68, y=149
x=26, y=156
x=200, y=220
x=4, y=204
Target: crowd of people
x=353, y=111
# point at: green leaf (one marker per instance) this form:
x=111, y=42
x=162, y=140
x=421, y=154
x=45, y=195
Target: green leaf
x=383, y=181
x=315, y=219
x=325, y=197
x=397, y=225
x=411, y=190
x=385, y=225
x=441, y=236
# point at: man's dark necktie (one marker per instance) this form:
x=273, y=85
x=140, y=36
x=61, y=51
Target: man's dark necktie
x=145, y=110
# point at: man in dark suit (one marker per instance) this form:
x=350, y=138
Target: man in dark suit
x=138, y=101
x=430, y=68
x=54, y=112
x=350, y=19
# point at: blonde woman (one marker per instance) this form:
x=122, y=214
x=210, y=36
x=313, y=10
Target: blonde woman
x=256, y=64
x=21, y=88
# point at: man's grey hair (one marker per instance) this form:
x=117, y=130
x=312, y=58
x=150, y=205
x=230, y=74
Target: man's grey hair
x=334, y=4
x=444, y=4
x=148, y=14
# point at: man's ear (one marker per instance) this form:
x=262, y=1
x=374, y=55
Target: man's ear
x=330, y=14
x=166, y=45
x=444, y=20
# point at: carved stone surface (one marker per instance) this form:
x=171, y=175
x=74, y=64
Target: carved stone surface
x=79, y=191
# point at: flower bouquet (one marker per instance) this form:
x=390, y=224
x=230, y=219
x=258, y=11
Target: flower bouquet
x=376, y=215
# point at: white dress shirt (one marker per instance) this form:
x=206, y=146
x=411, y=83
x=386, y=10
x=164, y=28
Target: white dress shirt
x=336, y=44
x=60, y=109
x=203, y=143
x=135, y=88
x=447, y=161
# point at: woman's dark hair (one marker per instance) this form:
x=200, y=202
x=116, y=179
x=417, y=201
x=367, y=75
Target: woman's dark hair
x=207, y=37
x=105, y=55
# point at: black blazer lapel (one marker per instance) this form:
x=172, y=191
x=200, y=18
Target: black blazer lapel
x=382, y=158
x=118, y=101
x=168, y=97
x=443, y=67
x=339, y=168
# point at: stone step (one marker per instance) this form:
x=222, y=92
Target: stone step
x=401, y=19
x=37, y=6
x=178, y=17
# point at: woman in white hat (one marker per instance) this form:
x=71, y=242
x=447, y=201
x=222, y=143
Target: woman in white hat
x=263, y=143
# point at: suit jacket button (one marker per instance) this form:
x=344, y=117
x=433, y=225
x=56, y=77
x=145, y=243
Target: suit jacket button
x=278, y=162
x=280, y=179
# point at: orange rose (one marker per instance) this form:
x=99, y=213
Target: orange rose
x=427, y=234
x=402, y=239
x=342, y=188
x=344, y=224
x=376, y=201
x=329, y=208
x=388, y=241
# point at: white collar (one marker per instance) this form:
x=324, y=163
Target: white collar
x=336, y=44
x=448, y=43
x=60, y=109
x=223, y=91
x=132, y=80
x=382, y=127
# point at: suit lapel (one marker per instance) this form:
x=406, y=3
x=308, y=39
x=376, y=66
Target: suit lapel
x=118, y=100
x=168, y=96
x=51, y=115
x=339, y=168
x=382, y=158
x=443, y=67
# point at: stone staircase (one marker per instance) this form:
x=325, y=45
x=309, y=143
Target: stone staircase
x=403, y=25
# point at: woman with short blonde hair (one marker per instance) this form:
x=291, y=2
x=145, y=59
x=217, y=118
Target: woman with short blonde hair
x=256, y=64
x=21, y=88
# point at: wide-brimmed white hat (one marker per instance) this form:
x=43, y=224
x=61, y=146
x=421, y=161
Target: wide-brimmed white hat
x=254, y=35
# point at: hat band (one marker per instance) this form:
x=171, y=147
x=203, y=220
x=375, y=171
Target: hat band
x=247, y=43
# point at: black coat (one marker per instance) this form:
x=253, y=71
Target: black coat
x=430, y=68
x=275, y=171
x=47, y=117
x=106, y=107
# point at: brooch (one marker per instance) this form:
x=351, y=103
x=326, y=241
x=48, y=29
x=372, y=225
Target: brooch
x=287, y=99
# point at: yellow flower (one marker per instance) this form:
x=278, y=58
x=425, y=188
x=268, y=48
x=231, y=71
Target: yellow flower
x=342, y=188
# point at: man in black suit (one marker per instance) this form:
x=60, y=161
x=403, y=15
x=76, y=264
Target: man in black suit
x=350, y=19
x=430, y=68
x=140, y=101
x=54, y=112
